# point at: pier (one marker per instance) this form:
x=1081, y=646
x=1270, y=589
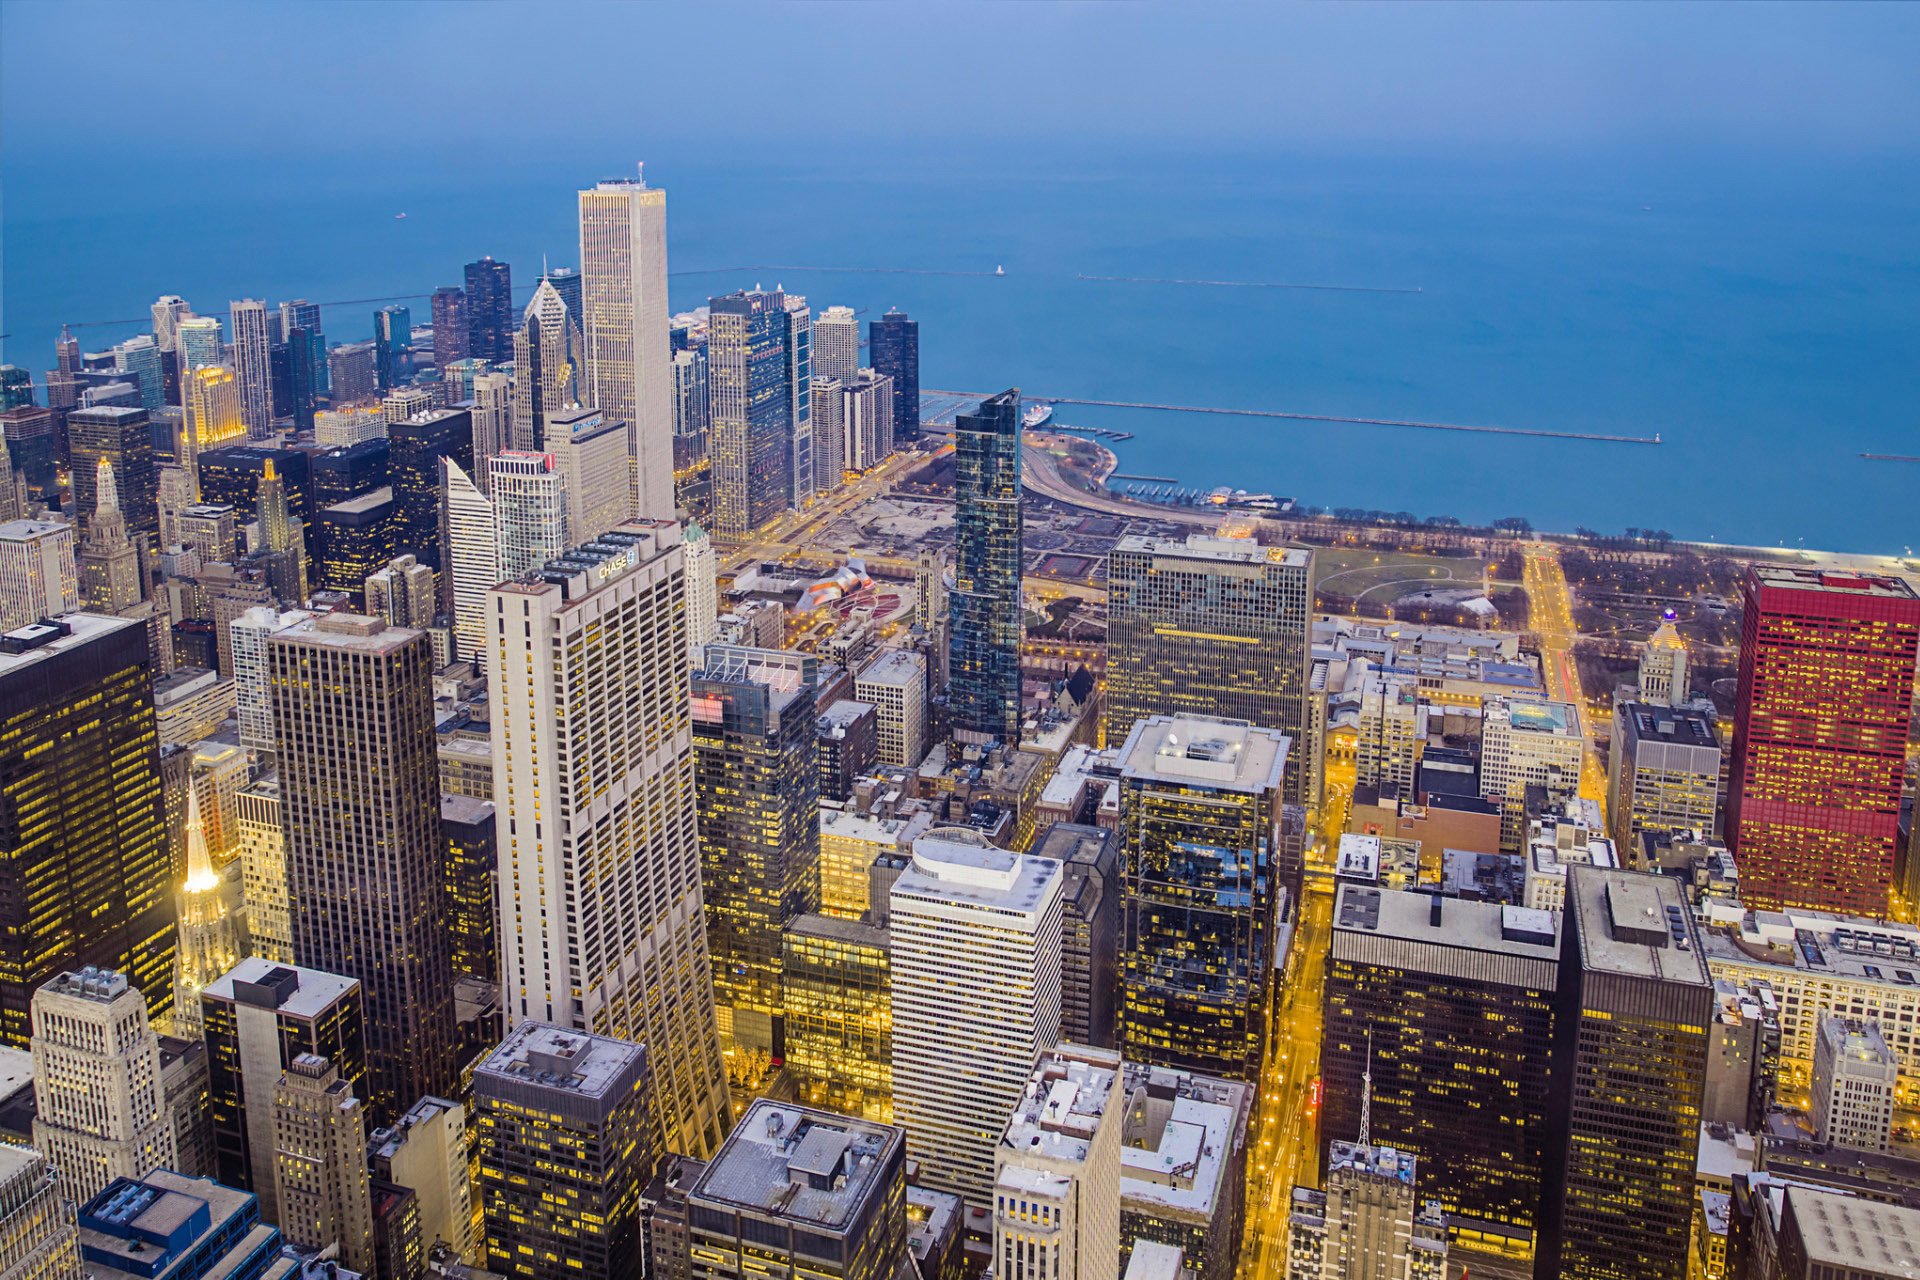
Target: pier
x=1098, y=433
x=1891, y=457
x=1121, y=475
x=1256, y=284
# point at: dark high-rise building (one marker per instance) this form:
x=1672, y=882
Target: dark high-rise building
x=415, y=449
x=1089, y=929
x=750, y=407
x=802, y=1192
x=472, y=880
x=568, y=284
x=353, y=711
x=757, y=779
x=1213, y=627
x=451, y=326
x=304, y=316
x=1450, y=1004
x=306, y=374
x=280, y=379
x=124, y=437
x=893, y=348
x=849, y=745
x=34, y=450
x=352, y=540
x=16, y=387
x=1199, y=825
x=350, y=471
x=567, y=1142
x=1629, y=1063
x=490, y=311
x=1820, y=739
x=350, y=373
x=984, y=606
x=392, y=333
x=231, y=476
x=85, y=866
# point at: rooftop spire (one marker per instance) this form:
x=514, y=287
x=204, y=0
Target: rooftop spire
x=200, y=873
x=1366, y=1095
x=106, y=488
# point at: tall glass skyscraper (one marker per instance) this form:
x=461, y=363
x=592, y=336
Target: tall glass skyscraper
x=490, y=311
x=751, y=408
x=392, y=331
x=984, y=648
x=893, y=347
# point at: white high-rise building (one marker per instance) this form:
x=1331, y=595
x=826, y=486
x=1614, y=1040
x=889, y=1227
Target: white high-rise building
x=247, y=635
x=39, y=1239
x=264, y=849
x=1056, y=1186
x=199, y=341
x=252, y=365
x=590, y=450
x=602, y=925
x=703, y=591
x=829, y=431
x=1663, y=664
x=1855, y=1076
x=320, y=1162
x=895, y=682
x=1393, y=731
x=1367, y=1222
x=866, y=418
x=473, y=556
x=799, y=357
x=100, y=1112
x=39, y=573
x=492, y=420
x=836, y=344
x=976, y=998
x=623, y=291
x=529, y=496
x=344, y=428
x=1522, y=741
x=168, y=311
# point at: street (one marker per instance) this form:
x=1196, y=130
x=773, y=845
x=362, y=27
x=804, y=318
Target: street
x=1550, y=609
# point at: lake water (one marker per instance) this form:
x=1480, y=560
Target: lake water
x=1761, y=313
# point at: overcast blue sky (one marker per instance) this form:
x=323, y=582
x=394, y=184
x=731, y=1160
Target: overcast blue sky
x=346, y=76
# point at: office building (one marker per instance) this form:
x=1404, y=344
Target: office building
x=1183, y=1166
x=109, y=564
x=451, y=339
x=211, y=414
x=248, y=643
x=402, y=403
x=415, y=449
x=1630, y=1054
x=1845, y=1237
x=139, y=358
x=966, y=916
x=263, y=863
x=984, y=649
x=801, y=1191
x=257, y=1019
x=492, y=419
x=27, y=433
x=168, y=310
x=198, y=341
x=392, y=335
x=1663, y=774
x=1448, y=1006
x=183, y=1086
x=208, y=529
x=593, y=774
x=489, y=311
x=459, y=377
x=38, y=1236
x=1200, y=829
x=1089, y=958
x=350, y=372
x=690, y=392
x=39, y=576
x=758, y=782
x=797, y=349
x=98, y=1110
x=895, y=683
x=547, y=359
x=1056, y=1187
x=353, y=539
x=124, y=438
x=472, y=879
x=282, y=537
x=528, y=493
x=829, y=430
x=1392, y=733
x=567, y=1141
x=473, y=553
x=1367, y=1222
x=835, y=983
x=320, y=1162
x=1855, y=1079
x=85, y=830
x=590, y=453
x=703, y=588
x=623, y=278
x=1663, y=665
x=847, y=739
x=211, y=906
x=1820, y=738
x=836, y=344
x=751, y=408
x=251, y=353
x=165, y=1225
x=866, y=421
x=893, y=345
x=1528, y=742
x=353, y=706
x=426, y=1152
x=402, y=594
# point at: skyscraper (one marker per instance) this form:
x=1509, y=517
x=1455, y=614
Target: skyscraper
x=320, y=1162
x=1212, y=627
x=415, y=449
x=124, y=437
x=1663, y=773
x=1820, y=739
x=966, y=916
x=798, y=340
x=567, y=1140
x=546, y=360
x=108, y=564
x=99, y=1112
x=85, y=834
x=168, y=311
x=451, y=336
x=623, y=271
x=984, y=681
x=213, y=932
x=1056, y=1189
x=38, y=1237
x=829, y=431
x=392, y=332
x=1368, y=1222
x=567, y=283
x=893, y=346
x=529, y=497
x=866, y=418
x=490, y=311
x=594, y=783
x=251, y=355
x=759, y=787
x=836, y=344
x=210, y=412
x=473, y=554
x=750, y=406
x=703, y=589
x=199, y=341
x=353, y=707
x=39, y=573
x=139, y=358
x=1630, y=1056
x=590, y=453
x=1200, y=833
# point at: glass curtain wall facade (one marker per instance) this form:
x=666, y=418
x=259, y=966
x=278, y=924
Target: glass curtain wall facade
x=984, y=606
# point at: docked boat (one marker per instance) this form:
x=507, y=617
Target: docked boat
x=1037, y=415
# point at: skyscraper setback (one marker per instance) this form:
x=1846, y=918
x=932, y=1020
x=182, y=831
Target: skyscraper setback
x=623, y=269
x=1820, y=736
x=985, y=602
x=546, y=356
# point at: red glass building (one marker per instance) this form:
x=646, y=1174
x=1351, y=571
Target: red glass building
x=1826, y=695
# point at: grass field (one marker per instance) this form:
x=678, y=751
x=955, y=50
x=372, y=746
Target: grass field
x=1358, y=573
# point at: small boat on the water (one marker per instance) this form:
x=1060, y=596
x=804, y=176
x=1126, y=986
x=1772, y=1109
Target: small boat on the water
x=1037, y=415
x=399, y=217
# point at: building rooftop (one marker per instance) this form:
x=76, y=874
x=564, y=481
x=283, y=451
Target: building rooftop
x=1221, y=755
x=366, y=504
x=145, y=1227
x=288, y=988
x=1857, y=1040
x=1533, y=715
x=1780, y=577
x=1457, y=931
x=1384, y=1163
x=28, y=646
x=1062, y=1105
x=893, y=666
x=1685, y=726
x=1152, y=1260
x=564, y=1060
x=1855, y=1236
x=1821, y=944
x=27, y=530
x=464, y=809
x=1181, y=1134
x=838, y=929
x=844, y=712
x=957, y=866
x=346, y=631
x=608, y=558
x=1634, y=925
x=1203, y=547
x=800, y=1165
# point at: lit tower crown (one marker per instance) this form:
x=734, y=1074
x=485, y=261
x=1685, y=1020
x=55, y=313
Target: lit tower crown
x=1663, y=664
x=213, y=930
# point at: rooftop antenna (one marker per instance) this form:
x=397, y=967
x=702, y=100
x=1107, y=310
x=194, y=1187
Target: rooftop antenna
x=640, y=171
x=1366, y=1094
x=543, y=266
